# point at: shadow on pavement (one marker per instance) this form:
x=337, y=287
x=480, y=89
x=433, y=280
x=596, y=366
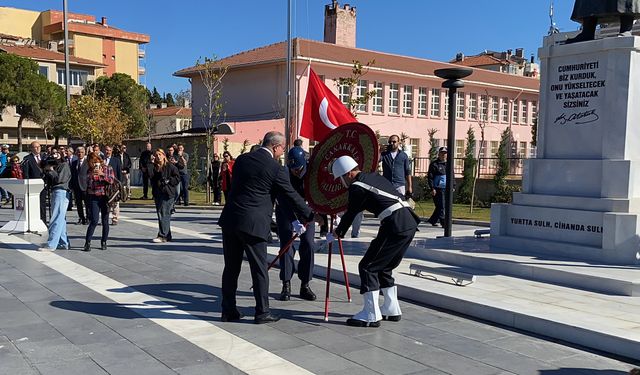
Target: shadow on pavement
x=581, y=371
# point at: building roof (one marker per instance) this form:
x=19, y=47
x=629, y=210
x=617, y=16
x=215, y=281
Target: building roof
x=43, y=54
x=480, y=60
x=171, y=111
x=320, y=52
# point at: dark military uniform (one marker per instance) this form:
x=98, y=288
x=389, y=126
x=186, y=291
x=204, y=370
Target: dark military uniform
x=398, y=225
x=605, y=10
x=437, y=168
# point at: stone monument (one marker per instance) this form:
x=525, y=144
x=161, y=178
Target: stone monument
x=581, y=196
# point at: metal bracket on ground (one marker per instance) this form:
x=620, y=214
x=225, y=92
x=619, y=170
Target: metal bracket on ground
x=458, y=278
x=479, y=232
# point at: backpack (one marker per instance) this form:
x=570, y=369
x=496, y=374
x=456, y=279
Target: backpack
x=114, y=192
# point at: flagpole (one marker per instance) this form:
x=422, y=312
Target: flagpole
x=287, y=120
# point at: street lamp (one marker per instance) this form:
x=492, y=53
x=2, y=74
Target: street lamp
x=453, y=77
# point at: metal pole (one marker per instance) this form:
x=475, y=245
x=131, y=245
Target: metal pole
x=287, y=120
x=451, y=139
x=67, y=73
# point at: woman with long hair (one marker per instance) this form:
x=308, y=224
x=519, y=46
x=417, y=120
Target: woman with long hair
x=164, y=181
x=227, y=171
x=99, y=176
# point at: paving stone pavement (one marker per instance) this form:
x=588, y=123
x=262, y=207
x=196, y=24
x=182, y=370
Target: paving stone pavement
x=157, y=320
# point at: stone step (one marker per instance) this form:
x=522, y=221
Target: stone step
x=475, y=253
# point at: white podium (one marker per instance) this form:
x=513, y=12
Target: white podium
x=26, y=212
x=581, y=196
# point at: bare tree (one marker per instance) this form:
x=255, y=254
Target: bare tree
x=357, y=72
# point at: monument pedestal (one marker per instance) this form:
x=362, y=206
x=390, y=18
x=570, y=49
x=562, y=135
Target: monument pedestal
x=581, y=196
x=26, y=211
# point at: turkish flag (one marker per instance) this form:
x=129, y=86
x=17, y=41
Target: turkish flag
x=323, y=111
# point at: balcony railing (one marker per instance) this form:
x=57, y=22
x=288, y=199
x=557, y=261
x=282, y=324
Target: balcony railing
x=488, y=166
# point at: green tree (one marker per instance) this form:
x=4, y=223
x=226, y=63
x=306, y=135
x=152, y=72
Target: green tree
x=503, y=191
x=534, y=132
x=433, y=143
x=96, y=119
x=354, y=101
x=156, y=98
x=131, y=97
x=465, y=190
x=35, y=98
x=168, y=98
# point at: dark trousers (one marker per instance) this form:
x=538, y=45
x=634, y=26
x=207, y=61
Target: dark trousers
x=43, y=204
x=217, y=193
x=306, y=250
x=145, y=183
x=438, y=212
x=383, y=255
x=226, y=196
x=81, y=204
x=163, y=209
x=98, y=209
x=184, y=188
x=235, y=244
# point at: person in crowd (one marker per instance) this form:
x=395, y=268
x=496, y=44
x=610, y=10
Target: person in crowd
x=145, y=169
x=48, y=150
x=126, y=170
x=215, y=179
x=437, y=182
x=32, y=168
x=68, y=157
x=78, y=184
x=245, y=222
x=96, y=149
x=164, y=179
x=57, y=175
x=16, y=167
x=183, y=161
x=172, y=158
x=226, y=170
x=99, y=175
x=5, y=171
x=287, y=223
x=115, y=163
x=398, y=225
x=396, y=167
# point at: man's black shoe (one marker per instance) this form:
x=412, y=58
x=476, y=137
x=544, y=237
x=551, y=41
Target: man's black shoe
x=285, y=295
x=362, y=323
x=103, y=245
x=233, y=317
x=307, y=293
x=269, y=318
x=392, y=318
x=186, y=204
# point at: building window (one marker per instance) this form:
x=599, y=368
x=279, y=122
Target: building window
x=361, y=92
x=378, y=97
x=460, y=101
x=76, y=77
x=435, y=102
x=525, y=112
x=504, y=110
x=343, y=94
x=407, y=100
x=422, y=101
x=522, y=150
x=484, y=107
x=473, y=106
x=515, y=116
x=415, y=147
x=534, y=111
x=44, y=71
x=459, y=156
x=482, y=160
x=495, y=105
x=394, y=98
x=446, y=103
x=494, y=154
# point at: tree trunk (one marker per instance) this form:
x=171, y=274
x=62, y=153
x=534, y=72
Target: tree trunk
x=20, y=120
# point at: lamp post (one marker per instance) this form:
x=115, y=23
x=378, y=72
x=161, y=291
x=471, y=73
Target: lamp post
x=453, y=77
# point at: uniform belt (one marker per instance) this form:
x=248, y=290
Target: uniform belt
x=391, y=209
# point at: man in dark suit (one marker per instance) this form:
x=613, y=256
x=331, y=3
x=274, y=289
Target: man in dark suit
x=146, y=166
x=246, y=220
x=79, y=171
x=32, y=168
x=115, y=163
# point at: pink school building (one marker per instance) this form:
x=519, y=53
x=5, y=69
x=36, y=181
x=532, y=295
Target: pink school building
x=408, y=96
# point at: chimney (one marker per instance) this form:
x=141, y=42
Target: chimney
x=104, y=21
x=509, y=53
x=533, y=59
x=187, y=103
x=153, y=106
x=163, y=105
x=520, y=52
x=460, y=56
x=340, y=24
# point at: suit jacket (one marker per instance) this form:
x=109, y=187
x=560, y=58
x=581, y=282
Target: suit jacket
x=116, y=164
x=78, y=170
x=257, y=180
x=31, y=168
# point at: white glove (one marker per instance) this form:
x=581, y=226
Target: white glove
x=330, y=237
x=298, y=227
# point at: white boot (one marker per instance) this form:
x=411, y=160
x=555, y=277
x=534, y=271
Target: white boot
x=391, y=308
x=370, y=315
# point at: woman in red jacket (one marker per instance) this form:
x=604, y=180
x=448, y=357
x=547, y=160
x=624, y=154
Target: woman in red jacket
x=227, y=171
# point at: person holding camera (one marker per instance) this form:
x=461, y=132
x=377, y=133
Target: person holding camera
x=164, y=180
x=57, y=175
x=99, y=176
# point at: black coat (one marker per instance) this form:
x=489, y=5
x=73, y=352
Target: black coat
x=257, y=180
x=126, y=162
x=31, y=168
x=164, y=181
x=116, y=164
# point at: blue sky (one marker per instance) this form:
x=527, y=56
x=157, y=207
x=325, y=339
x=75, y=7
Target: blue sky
x=182, y=31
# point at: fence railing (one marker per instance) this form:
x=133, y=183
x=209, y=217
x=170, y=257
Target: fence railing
x=488, y=166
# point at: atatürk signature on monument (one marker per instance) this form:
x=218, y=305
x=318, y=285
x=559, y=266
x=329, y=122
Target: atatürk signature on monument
x=579, y=118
